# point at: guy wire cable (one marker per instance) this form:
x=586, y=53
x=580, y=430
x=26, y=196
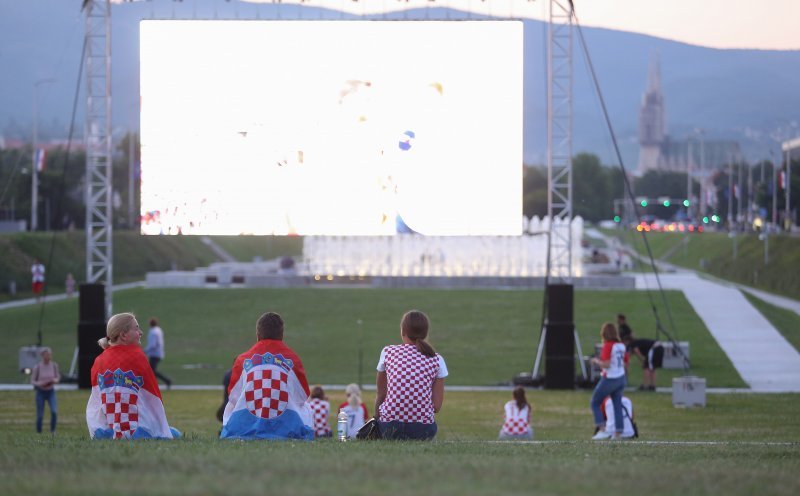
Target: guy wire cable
x=60, y=189
x=628, y=188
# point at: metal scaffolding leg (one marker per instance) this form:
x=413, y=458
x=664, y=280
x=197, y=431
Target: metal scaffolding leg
x=559, y=137
x=98, y=146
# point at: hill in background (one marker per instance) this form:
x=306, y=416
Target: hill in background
x=745, y=95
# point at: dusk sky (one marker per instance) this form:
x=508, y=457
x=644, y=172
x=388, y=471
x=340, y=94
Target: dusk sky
x=764, y=24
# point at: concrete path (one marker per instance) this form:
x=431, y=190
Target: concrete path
x=62, y=296
x=761, y=355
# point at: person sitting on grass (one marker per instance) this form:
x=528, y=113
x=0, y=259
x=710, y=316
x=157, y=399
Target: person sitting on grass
x=268, y=389
x=125, y=402
x=355, y=409
x=628, y=430
x=410, y=383
x=517, y=424
x=320, y=408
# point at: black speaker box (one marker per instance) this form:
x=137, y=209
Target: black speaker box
x=88, y=350
x=560, y=303
x=92, y=303
x=559, y=373
x=560, y=341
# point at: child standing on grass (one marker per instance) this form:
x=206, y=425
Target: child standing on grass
x=517, y=425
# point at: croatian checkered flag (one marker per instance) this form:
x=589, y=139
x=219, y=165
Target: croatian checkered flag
x=125, y=402
x=267, y=395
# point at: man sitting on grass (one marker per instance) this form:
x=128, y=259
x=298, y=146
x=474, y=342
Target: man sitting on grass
x=268, y=389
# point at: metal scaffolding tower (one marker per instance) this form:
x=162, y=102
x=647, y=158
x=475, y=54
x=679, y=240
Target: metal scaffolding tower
x=98, y=145
x=559, y=137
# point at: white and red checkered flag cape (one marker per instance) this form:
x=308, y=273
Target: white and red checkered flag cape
x=125, y=402
x=267, y=395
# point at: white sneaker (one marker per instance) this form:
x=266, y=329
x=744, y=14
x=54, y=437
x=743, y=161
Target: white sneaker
x=601, y=436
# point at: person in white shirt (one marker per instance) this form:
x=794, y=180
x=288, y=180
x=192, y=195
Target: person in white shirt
x=410, y=383
x=355, y=409
x=613, y=360
x=37, y=278
x=627, y=415
x=517, y=424
x=155, y=350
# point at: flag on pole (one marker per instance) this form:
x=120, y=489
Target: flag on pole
x=736, y=191
x=267, y=395
x=782, y=180
x=125, y=402
x=39, y=156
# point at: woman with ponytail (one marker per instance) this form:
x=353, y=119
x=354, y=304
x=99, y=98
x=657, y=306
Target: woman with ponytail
x=125, y=402
x=410, y=383
x=517, y=425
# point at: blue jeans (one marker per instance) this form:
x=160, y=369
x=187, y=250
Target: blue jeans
x=613, y=388
x=50, y=397
x=407, y=430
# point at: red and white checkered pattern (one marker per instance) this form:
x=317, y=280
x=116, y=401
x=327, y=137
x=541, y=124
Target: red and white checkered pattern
x=320, y=410
x=516, y=420
x=121, y=411
x=266, y=392
x=410, y=376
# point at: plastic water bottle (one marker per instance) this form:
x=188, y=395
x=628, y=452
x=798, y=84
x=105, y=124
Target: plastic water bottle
x=341, y=425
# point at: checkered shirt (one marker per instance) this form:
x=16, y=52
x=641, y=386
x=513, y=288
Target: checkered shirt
x=320, y=409
x=516, y=420
x=410, y=376
x=266, y=391
x=121, y=411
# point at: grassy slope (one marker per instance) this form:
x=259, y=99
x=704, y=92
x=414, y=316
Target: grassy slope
x=134, y=255
x=486, y=337
x=459, y=462
x=715, y=250
x=785, y=321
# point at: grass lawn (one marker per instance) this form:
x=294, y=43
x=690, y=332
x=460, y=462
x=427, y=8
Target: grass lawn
x=463, y=459
x=785, y=321
x=486, y=337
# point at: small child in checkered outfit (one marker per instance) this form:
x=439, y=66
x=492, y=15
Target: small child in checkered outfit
x=320, y=408
x=517, y=425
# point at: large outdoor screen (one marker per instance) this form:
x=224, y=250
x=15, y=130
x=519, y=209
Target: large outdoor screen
x=331, y=127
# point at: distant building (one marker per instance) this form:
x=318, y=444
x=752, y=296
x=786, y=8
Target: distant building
x=658, y=151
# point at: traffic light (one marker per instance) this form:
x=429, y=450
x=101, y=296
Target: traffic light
x=685, y=203
x=666, y=203
x=616, y=218
x=705, y=220
x=644, y=203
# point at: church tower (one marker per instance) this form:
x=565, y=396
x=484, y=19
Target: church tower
x=652, y=121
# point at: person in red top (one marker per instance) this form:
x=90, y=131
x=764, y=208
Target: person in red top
x=614, y=362
x=125, y=402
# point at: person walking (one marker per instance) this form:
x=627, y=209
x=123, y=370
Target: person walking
x=44, y=377
x=410, y=383
x=155, y=350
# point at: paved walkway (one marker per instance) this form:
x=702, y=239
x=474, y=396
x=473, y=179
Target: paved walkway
x=761, y=355
x=62, y=296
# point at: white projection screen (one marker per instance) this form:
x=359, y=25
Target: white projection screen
x=331, y=127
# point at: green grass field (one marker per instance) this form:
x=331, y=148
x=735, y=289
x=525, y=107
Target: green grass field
x=712, y=252
x=464, y=459
x=486, y=337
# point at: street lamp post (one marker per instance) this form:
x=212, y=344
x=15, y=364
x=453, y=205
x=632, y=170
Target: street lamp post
x=34, y=171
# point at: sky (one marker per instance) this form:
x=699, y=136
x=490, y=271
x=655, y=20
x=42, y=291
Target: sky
x=760, y=24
